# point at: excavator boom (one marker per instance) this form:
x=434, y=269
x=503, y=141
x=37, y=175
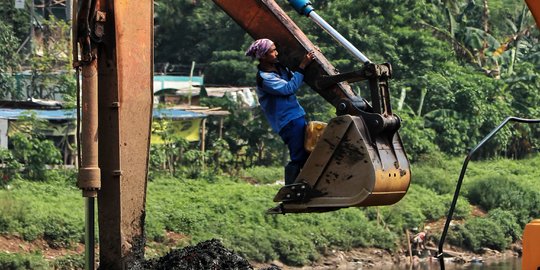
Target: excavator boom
x=359, y=160
x=534, y=6
x=265, y=19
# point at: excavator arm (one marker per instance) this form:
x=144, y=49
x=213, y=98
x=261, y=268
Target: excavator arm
x=534, y=6
x=359, y=160
x=266, y=19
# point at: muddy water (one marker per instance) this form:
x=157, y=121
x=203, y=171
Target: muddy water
x=507, y=264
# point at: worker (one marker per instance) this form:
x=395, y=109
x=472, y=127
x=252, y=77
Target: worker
x=276, y=89
x=420, y=239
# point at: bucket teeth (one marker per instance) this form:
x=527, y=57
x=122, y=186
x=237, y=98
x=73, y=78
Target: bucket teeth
x=278, y=209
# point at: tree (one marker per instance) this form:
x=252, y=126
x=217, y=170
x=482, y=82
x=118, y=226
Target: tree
x=17, y=19
x=52, y=73
x=32, y=149
x=447, y=58
x=8, y=61
x=191, y=30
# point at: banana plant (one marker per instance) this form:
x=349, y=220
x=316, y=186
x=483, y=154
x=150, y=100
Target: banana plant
x=473, y=41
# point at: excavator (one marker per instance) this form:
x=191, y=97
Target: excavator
x=359, y=159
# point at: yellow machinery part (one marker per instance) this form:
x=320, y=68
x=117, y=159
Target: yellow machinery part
x=314, y=131
x=348, y=168
x=531, y=246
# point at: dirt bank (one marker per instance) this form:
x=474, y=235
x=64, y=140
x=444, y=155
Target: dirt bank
x=212, y=255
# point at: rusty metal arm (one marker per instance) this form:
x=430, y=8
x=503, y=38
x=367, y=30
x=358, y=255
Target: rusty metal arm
x=89, y=178
x=266, y=19
x=534, y=6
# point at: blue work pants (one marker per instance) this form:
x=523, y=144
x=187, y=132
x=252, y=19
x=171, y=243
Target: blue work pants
x=293, y=135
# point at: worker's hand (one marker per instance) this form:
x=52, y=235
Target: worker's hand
x=307, y=60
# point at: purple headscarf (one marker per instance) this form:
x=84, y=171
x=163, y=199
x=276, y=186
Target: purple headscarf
x=259, y=48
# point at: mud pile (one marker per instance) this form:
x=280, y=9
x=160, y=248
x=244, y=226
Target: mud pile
x=208, y=255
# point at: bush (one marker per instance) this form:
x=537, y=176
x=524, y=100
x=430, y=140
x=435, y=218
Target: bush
x=478, y=233
x=13, y=214
x=508, y=223
x=9, y=167
x=32, y=149
x=20, y=261
x=154, y=231
x=69, y=262
x=234, y=211
x=255, y=245
x=294, y=249
x=263, y=175
x=418, y=206
x=59, y=232
x=33, y=210
x=440, y=178
x=417, y=137
x=506, y=193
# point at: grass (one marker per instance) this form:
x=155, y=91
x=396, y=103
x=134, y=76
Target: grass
x=232, y=210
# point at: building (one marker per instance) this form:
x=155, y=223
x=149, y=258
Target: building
x=62, y=126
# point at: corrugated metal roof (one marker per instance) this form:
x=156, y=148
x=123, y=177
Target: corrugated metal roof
x=177, y=82
x=176, y=114
x=70, y=114
x=41, y=114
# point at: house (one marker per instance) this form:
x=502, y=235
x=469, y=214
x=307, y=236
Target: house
x=62, y=126
x=187, y=91
x=173, y=90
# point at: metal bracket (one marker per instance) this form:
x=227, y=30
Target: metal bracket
x=297, y=192
x=100, y=18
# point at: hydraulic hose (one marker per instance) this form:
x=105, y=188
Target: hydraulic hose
x=89, y=177
x=304, y=7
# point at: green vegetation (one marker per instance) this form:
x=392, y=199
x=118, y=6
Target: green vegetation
x=21, y=261
x=35, y=261
x=231, y=209
x=459, y=68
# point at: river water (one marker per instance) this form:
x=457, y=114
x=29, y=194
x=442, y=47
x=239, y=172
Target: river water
x=507, y=264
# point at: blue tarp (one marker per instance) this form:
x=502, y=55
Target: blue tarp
x=70, y=114
x=40, y=114
x=176, y=114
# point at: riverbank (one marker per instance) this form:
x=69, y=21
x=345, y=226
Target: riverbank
x=358, y=258
x=370, y=258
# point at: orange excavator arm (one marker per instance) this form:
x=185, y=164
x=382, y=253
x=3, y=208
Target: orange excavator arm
x=360, y=162
x=534, y=6
x=359, y=159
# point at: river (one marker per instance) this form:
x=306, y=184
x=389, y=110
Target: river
x=507, y=264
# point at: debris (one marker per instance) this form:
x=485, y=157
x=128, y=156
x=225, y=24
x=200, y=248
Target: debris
x=211, y=255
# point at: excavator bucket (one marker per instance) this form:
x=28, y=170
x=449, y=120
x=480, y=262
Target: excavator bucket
x=348, y=168
x=359, y=158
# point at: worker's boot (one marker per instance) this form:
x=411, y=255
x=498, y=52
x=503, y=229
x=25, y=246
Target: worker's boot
x=291, y=172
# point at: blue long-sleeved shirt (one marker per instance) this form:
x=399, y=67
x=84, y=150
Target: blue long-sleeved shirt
x=276, y=92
